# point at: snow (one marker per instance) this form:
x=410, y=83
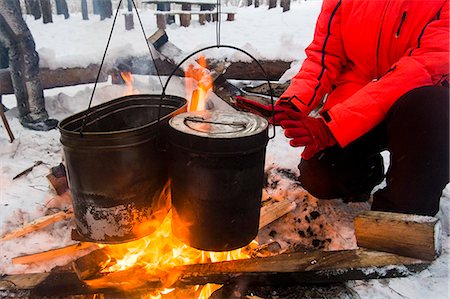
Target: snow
x=266, y=34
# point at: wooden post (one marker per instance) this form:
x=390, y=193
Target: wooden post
x=202, y=19
x=62, y=9
x=84, y=10
x=403, y=234
x=33, y=8
x=272, y=4
x=46, y=8
x=286, y=4
x=105, y=9
x=185, y=19
x=161, y=21
x=129, y=22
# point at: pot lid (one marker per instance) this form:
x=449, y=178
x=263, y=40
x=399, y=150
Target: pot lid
x=219, y=124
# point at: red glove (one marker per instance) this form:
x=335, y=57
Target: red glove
x=282, y=110
x=310, y=132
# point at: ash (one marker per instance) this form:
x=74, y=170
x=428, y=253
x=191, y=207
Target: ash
x=314, y=224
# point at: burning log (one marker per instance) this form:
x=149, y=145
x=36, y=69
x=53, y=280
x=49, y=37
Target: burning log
x=303, y=267
x=51, y=254
x=37, y=224
x=294, y=268
x=93, y=263
x=408, y=235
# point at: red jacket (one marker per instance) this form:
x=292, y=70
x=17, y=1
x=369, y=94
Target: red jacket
x=365, y=55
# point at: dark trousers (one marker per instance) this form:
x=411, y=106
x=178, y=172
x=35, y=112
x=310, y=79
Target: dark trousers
x=416, y=134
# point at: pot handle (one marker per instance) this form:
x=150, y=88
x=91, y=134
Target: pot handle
x=163, y=94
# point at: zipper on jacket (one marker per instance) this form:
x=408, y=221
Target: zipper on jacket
x=379, y=37
x=397, y=34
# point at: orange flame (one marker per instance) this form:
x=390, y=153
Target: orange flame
x=129, y=81
x=197, y=89
x=155, y=256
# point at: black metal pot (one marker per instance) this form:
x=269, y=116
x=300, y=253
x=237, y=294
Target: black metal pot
x=216, y=168
x=116, y=170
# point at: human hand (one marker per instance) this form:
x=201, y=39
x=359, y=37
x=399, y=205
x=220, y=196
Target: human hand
x=282, y=110
x=310, y=132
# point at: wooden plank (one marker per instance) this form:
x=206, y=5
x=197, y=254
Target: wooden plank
x=409, y=235
x=303, y=267
x=278, y=89
x=37, y=224
x=21, y=281
x=58, y=77
x=274, y=211
x=295, y=268
x=92, y=263
x=51, y=254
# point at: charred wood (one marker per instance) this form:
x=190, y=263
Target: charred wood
x=251, y=71
x=303, y=267
x=278, y=89
x=296, y=268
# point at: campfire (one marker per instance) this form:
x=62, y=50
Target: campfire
x=159, y=253
x=153, y=262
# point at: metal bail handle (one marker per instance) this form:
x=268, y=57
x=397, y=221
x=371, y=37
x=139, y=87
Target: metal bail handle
x=83, y=124
x=163, y=94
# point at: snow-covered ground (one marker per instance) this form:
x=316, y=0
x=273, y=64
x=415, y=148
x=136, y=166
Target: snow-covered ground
x=266, y=34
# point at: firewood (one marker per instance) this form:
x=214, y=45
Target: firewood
x=51, y=254
x=58, y=179
x=21, y=281
x=37, y=224
x=92, y=263
x=303, y=267
x=408, y=235
x=28, y=170
x=278, y=88
x=272, y=212
x=300, y=267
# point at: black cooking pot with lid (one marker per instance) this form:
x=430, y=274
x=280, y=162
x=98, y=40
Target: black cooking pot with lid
x=216, y=167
